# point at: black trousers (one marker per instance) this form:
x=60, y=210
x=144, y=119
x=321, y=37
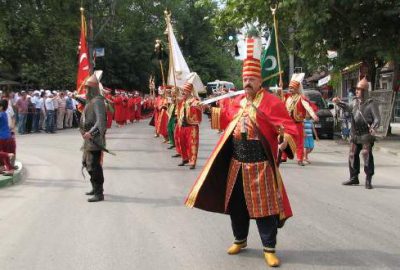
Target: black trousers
x=354, y=159
x=92, y=162
x=240, y=219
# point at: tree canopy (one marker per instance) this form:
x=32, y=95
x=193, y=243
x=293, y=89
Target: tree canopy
x=39, y=40
x=360, y=30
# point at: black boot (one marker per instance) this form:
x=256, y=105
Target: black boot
x=90, y=192
x=183, y=163
x=351, y=182
x=96, y=198
x=368, y=180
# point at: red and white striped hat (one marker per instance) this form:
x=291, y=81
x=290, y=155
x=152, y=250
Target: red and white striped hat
x=251, y=64
x=188, y=87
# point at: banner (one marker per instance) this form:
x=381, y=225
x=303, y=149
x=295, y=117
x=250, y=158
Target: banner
x=83, y=64
x=269, y=63
x=178, y=69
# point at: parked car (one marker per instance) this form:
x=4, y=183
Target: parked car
x=325, y=126
x=214, y=87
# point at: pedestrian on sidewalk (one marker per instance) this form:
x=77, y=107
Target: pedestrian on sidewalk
x=6, y=155
x=93, y=129
x=365, y=120
x=309, y=133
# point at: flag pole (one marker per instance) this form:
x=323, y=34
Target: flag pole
x=171, y=59
x=273, y=10
x=159, y=51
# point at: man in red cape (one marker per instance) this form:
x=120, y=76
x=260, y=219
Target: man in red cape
x=109, y=106
x=189, y=118
x=298, y=106
x=131, y=108
x=137, y=106
x=241, y=177
x=119, y=115
x=162, y=115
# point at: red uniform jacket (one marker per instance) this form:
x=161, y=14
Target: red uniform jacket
x=208, y=192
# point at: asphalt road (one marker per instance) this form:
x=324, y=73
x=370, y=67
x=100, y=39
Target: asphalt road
x=46, y=223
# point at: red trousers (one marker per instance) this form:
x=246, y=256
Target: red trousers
x=189, y=140
x=299, y=142
x=138, y=114
x=177, y=134
x=5, y=160
x=8, y=145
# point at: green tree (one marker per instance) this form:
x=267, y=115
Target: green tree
x=361, y=30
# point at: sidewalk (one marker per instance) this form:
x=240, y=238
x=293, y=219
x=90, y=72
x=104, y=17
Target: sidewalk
x=7, y=180
x=390, y=144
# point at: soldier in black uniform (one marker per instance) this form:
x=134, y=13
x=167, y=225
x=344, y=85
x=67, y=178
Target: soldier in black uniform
x=365, y=119
x=93, y=128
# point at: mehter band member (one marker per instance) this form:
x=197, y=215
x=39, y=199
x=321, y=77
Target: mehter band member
x=93, y=129
x=189, y=115
x=298, y=106
x=365, y=120
x=241, y=177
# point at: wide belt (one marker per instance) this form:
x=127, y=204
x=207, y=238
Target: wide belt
x=360, y=130
x=248, y=151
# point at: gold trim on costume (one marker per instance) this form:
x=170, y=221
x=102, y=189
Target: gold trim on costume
x=291, y=142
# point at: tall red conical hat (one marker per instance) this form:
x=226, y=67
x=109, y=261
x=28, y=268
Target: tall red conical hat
x=252, y=64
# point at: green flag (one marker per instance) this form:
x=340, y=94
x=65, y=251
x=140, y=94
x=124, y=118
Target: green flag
x=269, y=63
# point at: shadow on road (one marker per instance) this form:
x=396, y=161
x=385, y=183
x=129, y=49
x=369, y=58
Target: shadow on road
x=158, y=202
x=370, y=259
x=386, y=187
x=146, y=169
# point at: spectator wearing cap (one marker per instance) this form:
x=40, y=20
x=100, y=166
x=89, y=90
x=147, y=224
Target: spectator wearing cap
x=37, y=101
x=69, y=106
x=55, y=104
x=29, y=116
x=22, y=109
x=50, y=113
x=61, y=110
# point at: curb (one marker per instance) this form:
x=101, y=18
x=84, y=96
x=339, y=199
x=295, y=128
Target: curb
x=10, y=180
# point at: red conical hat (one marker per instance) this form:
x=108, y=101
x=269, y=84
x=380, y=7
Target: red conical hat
x=252, y=64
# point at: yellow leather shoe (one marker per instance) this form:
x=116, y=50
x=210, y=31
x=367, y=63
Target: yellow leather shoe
x=271, y=259
x=236, y=248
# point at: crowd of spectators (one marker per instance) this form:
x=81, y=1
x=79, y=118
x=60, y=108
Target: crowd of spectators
x=33, y=111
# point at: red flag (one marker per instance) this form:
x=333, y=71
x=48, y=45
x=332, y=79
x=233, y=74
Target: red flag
x=83, y=65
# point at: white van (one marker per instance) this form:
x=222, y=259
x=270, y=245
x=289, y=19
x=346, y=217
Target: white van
x=214, y=87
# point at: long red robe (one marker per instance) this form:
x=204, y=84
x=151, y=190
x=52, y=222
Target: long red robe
x=125, y=109
x=119, y=114
x=137, y=108
x=162, y=119
x=109, y=110
x=210, y=189
x=131, y=109
x=190, y=110
x=294, y=104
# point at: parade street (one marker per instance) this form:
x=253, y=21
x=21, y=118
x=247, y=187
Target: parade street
x=46, y=222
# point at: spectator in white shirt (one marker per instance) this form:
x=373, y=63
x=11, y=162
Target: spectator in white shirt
x=50, y=113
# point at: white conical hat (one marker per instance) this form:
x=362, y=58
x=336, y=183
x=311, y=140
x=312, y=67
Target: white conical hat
x=296, y=81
